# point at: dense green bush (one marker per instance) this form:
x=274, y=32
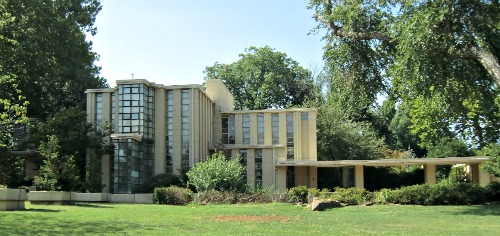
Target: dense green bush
x=217, y=197
x=493, y=192
x=172, y=195
x=298, y=194
x=352, y=196
x=443, y=193
x=492, y=166
x=217, y=173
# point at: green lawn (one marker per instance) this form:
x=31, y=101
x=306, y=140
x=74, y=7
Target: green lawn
x=282, y=219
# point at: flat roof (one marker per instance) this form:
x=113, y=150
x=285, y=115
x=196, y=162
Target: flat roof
x=269, y=110
x=386, y=162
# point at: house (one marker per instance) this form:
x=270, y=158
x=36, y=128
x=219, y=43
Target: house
x=159, y=129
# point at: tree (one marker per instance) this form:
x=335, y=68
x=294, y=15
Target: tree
x=217, y=173
x=423, y=53
x=47, y=52
x=264, y=78
x=492, y=166
x=58, y=172
x=340, y=138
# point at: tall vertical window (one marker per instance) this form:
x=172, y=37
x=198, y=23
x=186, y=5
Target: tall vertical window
x=132, y=98
x=98, y=110
x=275, y=124
x=260, y=128
x=258, y=167
x=185, y=128
x=246, y=129
x=113, y=111
x=289, y=136
x=243, y=162
x=170, y=133
x=228, y=131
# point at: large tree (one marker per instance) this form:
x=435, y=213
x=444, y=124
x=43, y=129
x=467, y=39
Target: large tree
x=264, y=78
x=48, y=52
x=439, y=58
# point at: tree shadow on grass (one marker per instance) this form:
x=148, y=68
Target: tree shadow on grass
x=40, y=210
x=90, y=205
x=73, y=228
x=482, y=210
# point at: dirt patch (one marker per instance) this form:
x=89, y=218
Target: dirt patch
x=253, y=218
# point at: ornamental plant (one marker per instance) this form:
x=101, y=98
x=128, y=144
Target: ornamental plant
x=217, y=173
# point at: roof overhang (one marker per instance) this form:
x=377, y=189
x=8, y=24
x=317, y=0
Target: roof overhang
x=386, y=162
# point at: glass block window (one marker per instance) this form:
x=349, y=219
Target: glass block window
x=228, y=129
x=98, y=110
x=289, y=136
x=304, y=116
x=185, y=128
x=246, y=129
x=258, y=167
x=243, y=162
x=260, y=128
x=275, y=124
x=113, y=111
x=170, y=133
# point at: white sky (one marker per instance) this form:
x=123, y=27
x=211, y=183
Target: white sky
x=171, y=42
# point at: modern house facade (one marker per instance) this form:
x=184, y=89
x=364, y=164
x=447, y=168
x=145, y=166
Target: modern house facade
x=158, y=129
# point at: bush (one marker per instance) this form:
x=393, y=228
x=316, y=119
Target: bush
x=439, y=194
x=352, y=196
x=216, y=197
x=298, y=194
x=172, y=195
x=493, y=192
x=492, y=166
x=314, y=192
x=217, y=173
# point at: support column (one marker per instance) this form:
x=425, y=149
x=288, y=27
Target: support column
x=430, y=173
x=474, y=173
x=313, y=177
x=359, y=179
x=479, y=176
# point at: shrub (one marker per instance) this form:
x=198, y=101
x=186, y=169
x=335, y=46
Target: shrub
x=458, y=174
x=492, y=166
x=216, y=197
x=352, y=196
x=493, y=192
x=172, y=195
x=217, y=173
x=298, y=194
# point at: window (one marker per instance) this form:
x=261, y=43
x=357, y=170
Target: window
x=170, y=133
x=258, y=167
x=98, y=110
x=289, y=136
x=243, y=162
x=246, y=129
x=228, y=131
x=260, y=128
x=113, y=111
x=185, y=128
x=275, y=126
x=304, y=116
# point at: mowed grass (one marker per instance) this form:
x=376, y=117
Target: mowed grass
x=255, y=219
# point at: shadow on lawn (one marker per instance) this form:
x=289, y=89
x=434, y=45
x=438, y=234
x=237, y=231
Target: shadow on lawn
x=482, y=210
x=71, y=228
x=40, y=210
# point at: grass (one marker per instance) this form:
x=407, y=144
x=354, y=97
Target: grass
x=255, y=219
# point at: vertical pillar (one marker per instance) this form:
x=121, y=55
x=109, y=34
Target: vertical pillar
x=359, y=179
x=345, y=177
x=474, y=173
x=105, y=169
x=280, y=178
x=430, y=173
x=313, y=177
x=479, y=176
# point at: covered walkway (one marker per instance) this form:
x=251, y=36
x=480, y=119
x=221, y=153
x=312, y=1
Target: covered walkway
x=429, y=164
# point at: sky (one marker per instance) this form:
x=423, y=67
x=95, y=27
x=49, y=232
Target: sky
x=171, y=42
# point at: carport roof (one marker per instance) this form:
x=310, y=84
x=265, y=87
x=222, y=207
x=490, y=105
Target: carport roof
x=386, y=162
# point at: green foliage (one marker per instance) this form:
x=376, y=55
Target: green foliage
x=492, y=166
x=377, y=178
x=423, y=55
x=314, y=192
x=162, y=180
x=12, y=169
x=43, y=44
x=352, y=196
x=217, y=173
x=217, y=197
x=340, y=138
x=438, y=194
x=298, y=194
x=493, y=191
x=264, y=78
x=12, y=107
x=172, y=195
x=447, y=147
x=58, y=172
x=459, y=174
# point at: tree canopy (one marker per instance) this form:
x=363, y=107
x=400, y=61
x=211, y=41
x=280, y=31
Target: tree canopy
x=43, y=46
x=265, y=78
x=437, y=58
